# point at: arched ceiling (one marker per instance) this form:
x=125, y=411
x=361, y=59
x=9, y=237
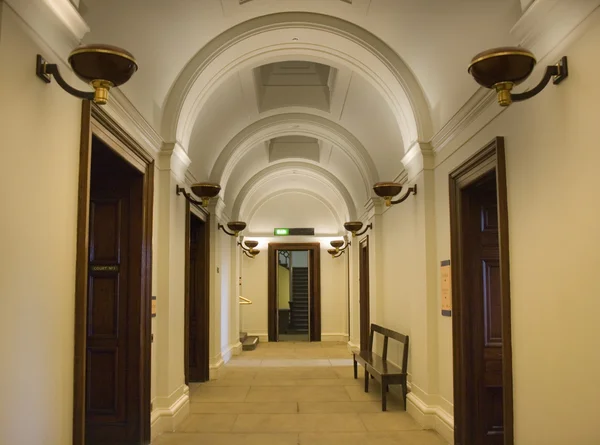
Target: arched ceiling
x=310, y=106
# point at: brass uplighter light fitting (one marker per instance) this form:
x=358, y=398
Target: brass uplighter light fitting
x=387, y=190
x=504, y=68
x=235, y=226
x=205, y=190
x=101, y=66
x=249, y=248
x=355, y=226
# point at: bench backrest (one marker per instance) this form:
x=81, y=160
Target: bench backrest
x=387, y=334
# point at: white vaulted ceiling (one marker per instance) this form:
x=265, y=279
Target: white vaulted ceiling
x=299, y=101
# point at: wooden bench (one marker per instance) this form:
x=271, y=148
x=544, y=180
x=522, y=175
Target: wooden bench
x=379, y=368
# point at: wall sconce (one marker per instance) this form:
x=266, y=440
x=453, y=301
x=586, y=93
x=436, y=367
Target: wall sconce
x=101, y=66
x=355, y=226
x=335, y=253
x=235, y=226
x=249, y=248
x=503, y=68
x=387, y=190
x=204, y=190
x=337, y=247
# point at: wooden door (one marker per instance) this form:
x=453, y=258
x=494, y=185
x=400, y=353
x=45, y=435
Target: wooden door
x=482, y=264
x=481, y=300
x=364, y=304
x=113, y=351
x=197, y=313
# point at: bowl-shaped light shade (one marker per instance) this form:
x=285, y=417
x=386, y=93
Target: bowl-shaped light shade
x=236, y=226
x=337, y=243
x=206, y=190
x=387, y=189
x=103, y=62
x=508, y=64
x=332, y=251
x=254, y=252
x=251, y=244
x=353, y=226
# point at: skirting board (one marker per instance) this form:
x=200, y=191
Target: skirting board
x=164, y=420
x=431, y=417
x=264, y=338
x=218, y=362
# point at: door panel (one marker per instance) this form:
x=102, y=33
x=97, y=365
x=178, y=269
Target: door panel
x=483, y=257
x=198, y=302
x=113, y=354
x=364, y=303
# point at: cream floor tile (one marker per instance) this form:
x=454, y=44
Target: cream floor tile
x=297, y=422
x=239, y=381
x=341, y=362
x=396, y=438
x=348, y=371
x=237, y=373
x=389, y=421
x=245, y=408
x=253, y=363
x=339, y=407
x=357, y=393
x=297, y=373
x=220, y=394
x=294, y=362
x=208, y=423
x=227, y=439
x=298, y=394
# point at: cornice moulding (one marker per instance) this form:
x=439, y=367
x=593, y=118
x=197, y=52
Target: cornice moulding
x=546, y=23
x=124, y=112
x=57, y=23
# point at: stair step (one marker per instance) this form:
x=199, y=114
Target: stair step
x=250, y=343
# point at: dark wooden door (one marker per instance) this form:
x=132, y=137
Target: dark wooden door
x=113, y=354
x=364, y=304
x=483, y=292
x=198, y=318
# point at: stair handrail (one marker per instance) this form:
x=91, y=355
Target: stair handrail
x=244, y=300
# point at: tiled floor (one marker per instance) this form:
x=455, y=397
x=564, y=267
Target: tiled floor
x=294, y=394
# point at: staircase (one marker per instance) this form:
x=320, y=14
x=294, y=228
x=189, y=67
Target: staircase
x=299, y=301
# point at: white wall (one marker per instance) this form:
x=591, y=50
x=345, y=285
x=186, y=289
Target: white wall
x=552, y=160
x=334, y=295
x=39, y=142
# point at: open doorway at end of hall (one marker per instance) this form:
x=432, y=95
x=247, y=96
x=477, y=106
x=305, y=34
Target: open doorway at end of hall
x=294, y=292
x=293, y=305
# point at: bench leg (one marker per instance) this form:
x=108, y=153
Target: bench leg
x=366, y=381
x=404, y=391
x=355, y=369
x=384, y=390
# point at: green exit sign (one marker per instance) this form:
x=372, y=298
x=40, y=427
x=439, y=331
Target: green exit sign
x=282, y=232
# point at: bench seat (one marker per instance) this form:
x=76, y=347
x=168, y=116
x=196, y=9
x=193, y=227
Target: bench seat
x=379, y=368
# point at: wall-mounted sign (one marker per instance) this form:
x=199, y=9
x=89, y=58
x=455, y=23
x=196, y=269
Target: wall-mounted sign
x=104, y=268
x=153, y=306
x=299, y=231
x=446, y=280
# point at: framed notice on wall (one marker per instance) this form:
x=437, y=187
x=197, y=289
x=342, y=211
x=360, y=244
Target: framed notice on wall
x=153, y=307
x=446, y=280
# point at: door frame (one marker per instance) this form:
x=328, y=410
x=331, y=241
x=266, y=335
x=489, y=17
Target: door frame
x=202, y=214
x=364, y=304
x=488, y=159
x=96, y=122
x=315, y=296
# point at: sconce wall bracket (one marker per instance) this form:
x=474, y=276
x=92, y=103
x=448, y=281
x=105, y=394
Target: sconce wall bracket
x=45, y=71
x=557, y=73
x=369, y=226
x=181, y=190
x=411, y=191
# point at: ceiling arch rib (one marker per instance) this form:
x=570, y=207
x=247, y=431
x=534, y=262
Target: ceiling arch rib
x=314, y=179
x=293, y=124
x=268, y=39
x=339, y=217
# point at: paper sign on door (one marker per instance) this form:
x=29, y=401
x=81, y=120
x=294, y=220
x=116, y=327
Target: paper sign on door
x=446, y=280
